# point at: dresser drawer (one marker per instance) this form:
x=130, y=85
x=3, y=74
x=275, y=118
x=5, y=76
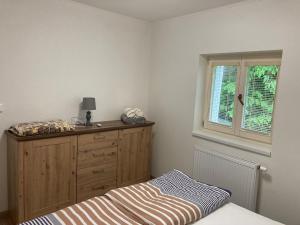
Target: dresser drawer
x=95, y=189
x=91, y=158
x=98, y=145
x=97, y=137
x=98, y=173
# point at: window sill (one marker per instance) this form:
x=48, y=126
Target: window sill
x=229, y=140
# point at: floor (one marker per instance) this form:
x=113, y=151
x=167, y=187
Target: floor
x=5, y=222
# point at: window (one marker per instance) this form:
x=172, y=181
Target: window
x=240, y=97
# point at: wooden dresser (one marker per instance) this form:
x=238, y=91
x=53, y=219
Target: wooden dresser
x=50, y=172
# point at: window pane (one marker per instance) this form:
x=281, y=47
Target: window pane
x=222, y=94
x=259, y=98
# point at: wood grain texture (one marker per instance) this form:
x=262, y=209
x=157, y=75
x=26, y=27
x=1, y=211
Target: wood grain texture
x=97, y=173
x=98, y=137
x=49, y=169
x=15, y=180
x=96, y=157
x=46, y=174
x=95, y=188
x=134, y=156
x=97, y=164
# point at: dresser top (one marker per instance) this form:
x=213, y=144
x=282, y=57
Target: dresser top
x=106, y=126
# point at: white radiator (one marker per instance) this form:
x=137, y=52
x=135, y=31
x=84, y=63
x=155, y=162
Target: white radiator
x=237, y=175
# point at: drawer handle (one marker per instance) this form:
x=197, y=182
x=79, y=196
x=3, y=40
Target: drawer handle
x=98, y=171
x=98, y=188
x=99, y=137
x=98, y=155
x=111, y=154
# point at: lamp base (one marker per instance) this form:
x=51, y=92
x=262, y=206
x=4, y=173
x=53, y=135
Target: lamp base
x=88, y=118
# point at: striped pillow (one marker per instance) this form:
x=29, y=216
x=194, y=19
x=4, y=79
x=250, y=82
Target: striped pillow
x=207, y=197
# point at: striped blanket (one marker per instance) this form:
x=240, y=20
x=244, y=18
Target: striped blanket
x=95, y=211
x=171, y=199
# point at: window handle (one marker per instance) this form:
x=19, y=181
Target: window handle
x=240, y=97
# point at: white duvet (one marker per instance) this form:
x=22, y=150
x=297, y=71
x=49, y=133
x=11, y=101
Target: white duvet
x=232, y=214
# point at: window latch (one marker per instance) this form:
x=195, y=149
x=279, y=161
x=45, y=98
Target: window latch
x=240, y=97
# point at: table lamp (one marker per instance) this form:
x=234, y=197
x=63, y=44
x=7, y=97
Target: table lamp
x=88, y=104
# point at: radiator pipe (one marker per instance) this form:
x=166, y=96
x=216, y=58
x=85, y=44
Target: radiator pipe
x=263, y=169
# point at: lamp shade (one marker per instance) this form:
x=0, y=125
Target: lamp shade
x=88, y=103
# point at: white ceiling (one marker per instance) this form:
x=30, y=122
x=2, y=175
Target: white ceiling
x=156, y=9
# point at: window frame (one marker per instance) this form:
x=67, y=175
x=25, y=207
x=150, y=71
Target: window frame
x=208, y=124
x=236, y=129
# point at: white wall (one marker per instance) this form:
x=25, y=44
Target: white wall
x=54, y=52
x=256, y=25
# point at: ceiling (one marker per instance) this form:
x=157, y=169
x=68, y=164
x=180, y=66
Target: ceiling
x=152, y=10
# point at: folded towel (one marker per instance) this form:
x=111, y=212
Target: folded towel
x=133, y=112
x=133, y=116
x=133, y=120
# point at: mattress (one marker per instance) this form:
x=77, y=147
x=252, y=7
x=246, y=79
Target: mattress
x=232, y=214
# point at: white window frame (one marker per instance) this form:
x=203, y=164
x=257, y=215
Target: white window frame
x=236, y=130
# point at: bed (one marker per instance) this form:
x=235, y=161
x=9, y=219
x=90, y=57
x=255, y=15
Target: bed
x=174, y=198
x=232, y=214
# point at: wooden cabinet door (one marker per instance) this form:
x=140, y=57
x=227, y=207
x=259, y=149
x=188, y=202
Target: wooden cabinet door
x=134, y=153
x=49, y=175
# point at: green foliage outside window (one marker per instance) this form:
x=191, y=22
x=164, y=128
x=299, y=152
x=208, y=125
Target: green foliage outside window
x=259, y=98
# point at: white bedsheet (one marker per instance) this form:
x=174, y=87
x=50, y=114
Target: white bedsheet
x=232, y=214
